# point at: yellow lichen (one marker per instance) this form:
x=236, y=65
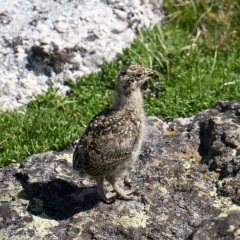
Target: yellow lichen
x=190, y=157
x=200, y=185
x=216, y=175
x=217, y=120
x=42, y=155
x=65, y=156
x=234, y=207
x=4, y=234
x=163, y=190
x=137, y=219
x=170, y=132
x=224, y=213
x=206, y=176
x=231, y=228
x=58, y=169
x=226, y=204
x=213, y=192
x=187, y=165
x=41, y=226
x=222, y=202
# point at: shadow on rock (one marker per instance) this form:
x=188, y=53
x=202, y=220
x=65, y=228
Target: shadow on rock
x=57, y=199
x=43, y=62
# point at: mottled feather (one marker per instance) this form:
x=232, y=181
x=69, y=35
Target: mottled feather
x=108, y=140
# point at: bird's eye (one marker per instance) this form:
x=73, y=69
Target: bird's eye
x=139, y=75
x=121, y=73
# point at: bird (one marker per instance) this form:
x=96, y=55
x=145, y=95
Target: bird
x=112, y=140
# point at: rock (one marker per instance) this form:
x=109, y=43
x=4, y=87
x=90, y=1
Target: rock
x=5, y=18
x=180, y=194
x=44, y=40
x=230, y=186
x=224, y=227
x=120, y=14
x=61, y=27
x=119, y=27
x=43, y=28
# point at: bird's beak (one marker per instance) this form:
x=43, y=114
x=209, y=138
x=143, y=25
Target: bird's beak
x=150, y=73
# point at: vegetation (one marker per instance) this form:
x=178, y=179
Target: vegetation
x=195, y=54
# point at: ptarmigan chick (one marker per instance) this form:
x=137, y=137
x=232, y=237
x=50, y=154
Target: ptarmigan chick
x=112, y=140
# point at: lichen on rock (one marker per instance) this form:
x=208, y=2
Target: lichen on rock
x=188, y=187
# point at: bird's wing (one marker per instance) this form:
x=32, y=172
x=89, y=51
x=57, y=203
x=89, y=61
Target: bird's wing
x=108, y=140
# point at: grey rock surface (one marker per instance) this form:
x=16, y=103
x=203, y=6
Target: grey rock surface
x=47, y=42
x=224, y=227
x=182, y=193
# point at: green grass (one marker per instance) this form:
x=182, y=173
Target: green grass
x=195, y=54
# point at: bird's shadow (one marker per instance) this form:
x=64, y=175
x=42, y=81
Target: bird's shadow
x=57, y=199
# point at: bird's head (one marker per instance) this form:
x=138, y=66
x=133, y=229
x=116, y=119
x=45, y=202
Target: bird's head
x=132, y=77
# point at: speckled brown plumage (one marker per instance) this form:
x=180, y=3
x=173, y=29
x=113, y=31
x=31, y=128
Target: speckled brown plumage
x=112, y=139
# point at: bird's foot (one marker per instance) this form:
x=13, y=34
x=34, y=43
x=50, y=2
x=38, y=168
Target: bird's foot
x=128, y=181
x=118, y=190
x=124, y=193
x=107, y=198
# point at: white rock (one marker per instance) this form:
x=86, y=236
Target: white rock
x=85, y=69
x=120, y=14
x=76, y=59
x=61, y=27
x=119, y=26
x=58, y=42
x=43, y=28
x=77, y=74
x=136, y=3
x=93, y=30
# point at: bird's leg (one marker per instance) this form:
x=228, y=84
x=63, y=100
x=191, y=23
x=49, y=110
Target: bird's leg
x=102, y=192
x=112, y=180
x=127, y=180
